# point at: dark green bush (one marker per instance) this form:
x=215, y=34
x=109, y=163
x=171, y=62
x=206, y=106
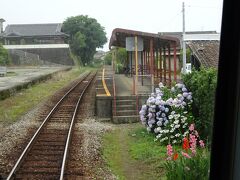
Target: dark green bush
x=202, y=84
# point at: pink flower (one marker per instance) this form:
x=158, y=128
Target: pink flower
x=186, y=155
x=191, y=127
x=169, y=150
x=201, y=143
x=193, y=143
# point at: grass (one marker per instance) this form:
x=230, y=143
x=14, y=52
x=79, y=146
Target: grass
x=131, y=153
x=12, y=108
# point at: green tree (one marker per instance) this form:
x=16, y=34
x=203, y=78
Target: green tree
x=86, y=34
x=108, y=58
x=121, y=56
x=4, y=59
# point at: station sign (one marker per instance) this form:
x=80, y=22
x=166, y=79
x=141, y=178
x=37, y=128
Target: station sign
x=130, y=44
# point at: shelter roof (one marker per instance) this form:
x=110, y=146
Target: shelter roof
x=119, y=35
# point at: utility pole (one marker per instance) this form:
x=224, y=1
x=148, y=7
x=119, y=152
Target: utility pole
x=183, y=40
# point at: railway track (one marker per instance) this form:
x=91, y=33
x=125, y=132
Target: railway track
x=45, y=156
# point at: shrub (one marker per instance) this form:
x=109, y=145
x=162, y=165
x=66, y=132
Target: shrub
x=202, y=84
x=167, y=113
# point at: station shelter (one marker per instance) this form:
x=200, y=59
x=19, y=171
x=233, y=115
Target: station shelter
x=151, y=58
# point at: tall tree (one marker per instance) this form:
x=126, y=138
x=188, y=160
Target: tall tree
x=86, y=34
x=4, y=58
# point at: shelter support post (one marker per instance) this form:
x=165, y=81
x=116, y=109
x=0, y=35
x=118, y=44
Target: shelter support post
x=164, y=65
x=136, y=64
x=160, y=64
x=175, y=63
x=152, y=63
x=157, y=62
x=169, y=66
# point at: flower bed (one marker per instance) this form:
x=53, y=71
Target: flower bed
x=168, y=114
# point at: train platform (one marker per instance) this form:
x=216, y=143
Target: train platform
x=20, y=77
x=125, y=85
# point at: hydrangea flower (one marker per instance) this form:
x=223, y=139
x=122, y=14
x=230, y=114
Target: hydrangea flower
x=165, y=115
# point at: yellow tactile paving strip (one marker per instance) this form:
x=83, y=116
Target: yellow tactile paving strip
x=104, y=84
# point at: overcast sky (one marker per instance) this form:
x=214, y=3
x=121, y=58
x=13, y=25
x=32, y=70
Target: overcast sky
x=149, y=15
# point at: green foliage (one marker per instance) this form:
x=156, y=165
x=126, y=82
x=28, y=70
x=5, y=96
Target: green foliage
x=121, y=55
x=4, y=58
x=86, y=34
x=202, y=84
x=108, y=58
x=121, y=59
x=188, y=55
x=196, y=167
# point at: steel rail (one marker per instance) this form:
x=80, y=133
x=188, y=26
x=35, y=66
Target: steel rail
x=70, y=130
x=17, y=164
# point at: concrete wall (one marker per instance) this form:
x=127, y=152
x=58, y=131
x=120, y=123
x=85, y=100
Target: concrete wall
x=50, y=55
x=104, y=106
x=54, y=55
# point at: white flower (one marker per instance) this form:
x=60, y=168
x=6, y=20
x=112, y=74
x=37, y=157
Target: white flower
x=161, y=85
x=177, y=126
x=158, y=136
x=176, y=116
x=172, y=130
x=175, y=101
x=178, y=85
x=173, y=89
x=179, y=95
x=171, y=136
x=157, y=90
x=177, y=135
x=157, y=102
x=148, y=129
x=173, y=112
x=170, y=116
x=174, y=141
x=172, y=125
x=176, y=122
x=156, y=130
